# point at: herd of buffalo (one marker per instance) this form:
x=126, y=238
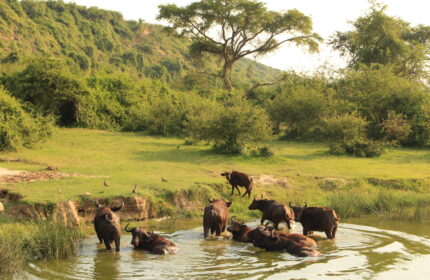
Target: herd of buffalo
x=265, y=236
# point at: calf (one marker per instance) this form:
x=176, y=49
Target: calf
x=273, y=211
x=215, y=216
x=317, y=219
x=107, y=225
x=239, y=230
x=265, y=239
x=152, y=242
x=236, y=178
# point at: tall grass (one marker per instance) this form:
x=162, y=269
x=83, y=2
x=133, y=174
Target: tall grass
x=37, y=240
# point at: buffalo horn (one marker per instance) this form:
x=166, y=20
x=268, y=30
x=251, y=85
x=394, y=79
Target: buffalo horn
x=126, y=228
x=290, y=204
x=255, y=197
x=98, y=204
x=306, y=204
x=233, y=219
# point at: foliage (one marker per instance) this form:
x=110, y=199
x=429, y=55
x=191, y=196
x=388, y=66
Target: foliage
x=230, y=127
x=233, y=29
x=379, y=38
x=379, y=95
x=301, y=104
x=17, y=127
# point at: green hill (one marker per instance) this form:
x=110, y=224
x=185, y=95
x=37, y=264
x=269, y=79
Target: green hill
x=92, y=39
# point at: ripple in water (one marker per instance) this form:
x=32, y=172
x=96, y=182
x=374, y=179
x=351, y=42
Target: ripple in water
x=359, y=252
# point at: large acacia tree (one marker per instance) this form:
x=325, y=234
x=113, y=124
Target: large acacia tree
x=233, y=29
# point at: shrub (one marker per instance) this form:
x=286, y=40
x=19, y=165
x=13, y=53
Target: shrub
x=230, y=127
x=17, y=127
x=263, y=151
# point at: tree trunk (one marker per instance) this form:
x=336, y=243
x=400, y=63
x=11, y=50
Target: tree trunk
x=226, y=75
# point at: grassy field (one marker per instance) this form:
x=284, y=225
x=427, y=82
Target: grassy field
x=126, y=159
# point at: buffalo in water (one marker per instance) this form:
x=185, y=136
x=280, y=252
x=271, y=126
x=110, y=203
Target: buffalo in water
x=152, y=242
x=239, y=230
x=271, y=241
x=236, y=178
x=316, y=219
x=215, y=216
x=273, y=211
x=107, y=225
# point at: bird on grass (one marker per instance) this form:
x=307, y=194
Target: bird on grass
x=134, y=189
x=163, y=180
x=105, y=184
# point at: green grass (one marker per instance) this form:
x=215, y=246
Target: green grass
x=125, y=159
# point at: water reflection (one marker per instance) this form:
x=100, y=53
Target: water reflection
x=359, y=252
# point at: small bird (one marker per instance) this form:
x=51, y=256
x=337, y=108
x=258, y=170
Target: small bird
x=134, y=190
x=163, y=180
x=105, y=184
x=178, y=147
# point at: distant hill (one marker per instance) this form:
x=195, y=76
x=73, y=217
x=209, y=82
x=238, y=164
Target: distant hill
x=92, y=39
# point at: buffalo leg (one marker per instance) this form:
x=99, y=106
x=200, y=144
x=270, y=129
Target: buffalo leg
x=237, y=188
x=247, y=192
x=117, y=245
x=107, y=244
x=333, y=231
x=305, y=231
x=262, y=220
x=328, y=234
x=100, y=238
x=288, y=223
x=218, y=230
x=232, y=190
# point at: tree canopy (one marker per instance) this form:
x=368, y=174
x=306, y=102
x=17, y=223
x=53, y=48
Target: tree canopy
x=233, y=29
x=382, y=39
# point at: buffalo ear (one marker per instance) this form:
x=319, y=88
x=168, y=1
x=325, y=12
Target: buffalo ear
x=229, y=203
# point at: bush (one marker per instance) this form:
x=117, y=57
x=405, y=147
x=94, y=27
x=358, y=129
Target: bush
x=18, y=128
x=230, y=127
x=263, y=151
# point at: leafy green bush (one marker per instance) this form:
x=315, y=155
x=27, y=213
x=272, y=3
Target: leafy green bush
x=18, y=128
x=230, y=127
x=263, y=151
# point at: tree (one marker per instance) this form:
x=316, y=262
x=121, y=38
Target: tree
x=233, y=29
x=380, y=39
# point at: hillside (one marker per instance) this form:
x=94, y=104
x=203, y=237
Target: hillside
x=91, y=39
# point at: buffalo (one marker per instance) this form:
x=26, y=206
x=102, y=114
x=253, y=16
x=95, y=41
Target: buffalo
x=239, y=230
x=107, y=225
x=270, y=241
x=152, y=242
x=273, y=211
x=215, y=216
x=316, y=219
x=236, y=178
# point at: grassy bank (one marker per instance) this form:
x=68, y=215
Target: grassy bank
x=298, y=172
x=40, y=240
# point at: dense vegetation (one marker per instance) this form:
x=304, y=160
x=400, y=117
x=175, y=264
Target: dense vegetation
x=86, y=67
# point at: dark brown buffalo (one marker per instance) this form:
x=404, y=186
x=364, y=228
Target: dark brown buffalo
x=269, y=241
x=152, y=242
x=273, y=211
x=239, y=230
x=215, y=216
x=317, y=219
x=239, y=179
x=107, y=225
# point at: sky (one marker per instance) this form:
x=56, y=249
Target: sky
x=328, y=16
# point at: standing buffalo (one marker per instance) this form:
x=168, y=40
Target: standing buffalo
x=151, y=242
x=317, y=219
x=273, y=211
x=266, y=239
x=107, y=225
x=236, y=179
x=215, y=216
x=239, y=230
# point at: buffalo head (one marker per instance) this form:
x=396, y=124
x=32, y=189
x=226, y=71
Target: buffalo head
x=235, y=225
x=298, y=210
x=139, y=236
x=256, y=203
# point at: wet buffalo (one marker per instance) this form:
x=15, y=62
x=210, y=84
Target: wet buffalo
x=317, y=219
x=273, y=211
x=215, y=216
x=107, y=225
x=238, y=179
x=266, y=239
x=152, y=242
x=239, y=230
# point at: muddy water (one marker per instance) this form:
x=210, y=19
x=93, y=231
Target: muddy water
x=363, y=249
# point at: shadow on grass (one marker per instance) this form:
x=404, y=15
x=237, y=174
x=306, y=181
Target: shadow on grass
x=177, y=155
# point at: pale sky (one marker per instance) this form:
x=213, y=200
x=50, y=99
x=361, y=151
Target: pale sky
x=328, y=16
